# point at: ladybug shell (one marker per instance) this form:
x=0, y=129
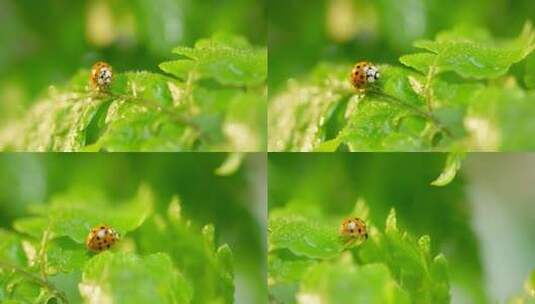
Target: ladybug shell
x=353, y=228
x=101, y=237
x=363, y=72
x=101, y=76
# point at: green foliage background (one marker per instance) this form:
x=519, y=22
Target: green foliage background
x=188, y=233
x=455, y=75
x=310, y=194
x=215, y=100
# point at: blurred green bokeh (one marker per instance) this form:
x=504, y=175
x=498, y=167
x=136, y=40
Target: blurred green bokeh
x=482, y=222
x=235, y=204
x=302, y=33
x=46, y=42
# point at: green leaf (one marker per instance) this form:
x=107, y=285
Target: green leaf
x=471, y=55
x=231, y=164
x=11, y=250
x=132, y=128
x=392, y=119
x=174, y=211
x=297, y=117
x=381, y=126
x=193, y=251
x=76, y=218
x=179, y=68
x=66, y=121
x=304, y=236
x=109, y=277
x=529, y=78
x=329, y=145
x=65, y=256
x=208, y=237
x=75, y=214
x=68, y=284
x=343, y=282
x=56, y=123
x=453, y=164
x=33, y=226
x=410, y=261
x=287, y=271
x=144, y=85
x=14, y=288
x=225, y=266
x=283, y=293
x=450, y=102
x=15, y=262
x=227, y=61
x=419, y=61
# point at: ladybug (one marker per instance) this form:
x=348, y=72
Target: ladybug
x=101, y=76
x=353, y=228
x=364, y=73
x=101, y=237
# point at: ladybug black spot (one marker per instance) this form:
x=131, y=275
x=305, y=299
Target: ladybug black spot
x=108, y=246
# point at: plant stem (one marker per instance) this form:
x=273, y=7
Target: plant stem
x=36, y=279
x=42, y=252
x=427, y=87
x=427, y=93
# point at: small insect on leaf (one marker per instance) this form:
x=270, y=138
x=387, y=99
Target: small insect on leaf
x=101, y=76
x=364, y=73
x=101, y=237
x=353, y=231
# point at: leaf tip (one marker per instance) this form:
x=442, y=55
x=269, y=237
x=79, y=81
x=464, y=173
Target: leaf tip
x=391, y=221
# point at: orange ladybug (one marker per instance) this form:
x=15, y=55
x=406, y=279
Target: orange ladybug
x=353, y=228
x=101, y=76
x=101, y=237
x=364, y=73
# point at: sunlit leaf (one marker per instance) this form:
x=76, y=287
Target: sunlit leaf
x=343, y=282
x=109, y=277
x=459, y=52
x=75, y=214
x=11, y=250
x=304, y=237
x=453, y=164
x=230, y=61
